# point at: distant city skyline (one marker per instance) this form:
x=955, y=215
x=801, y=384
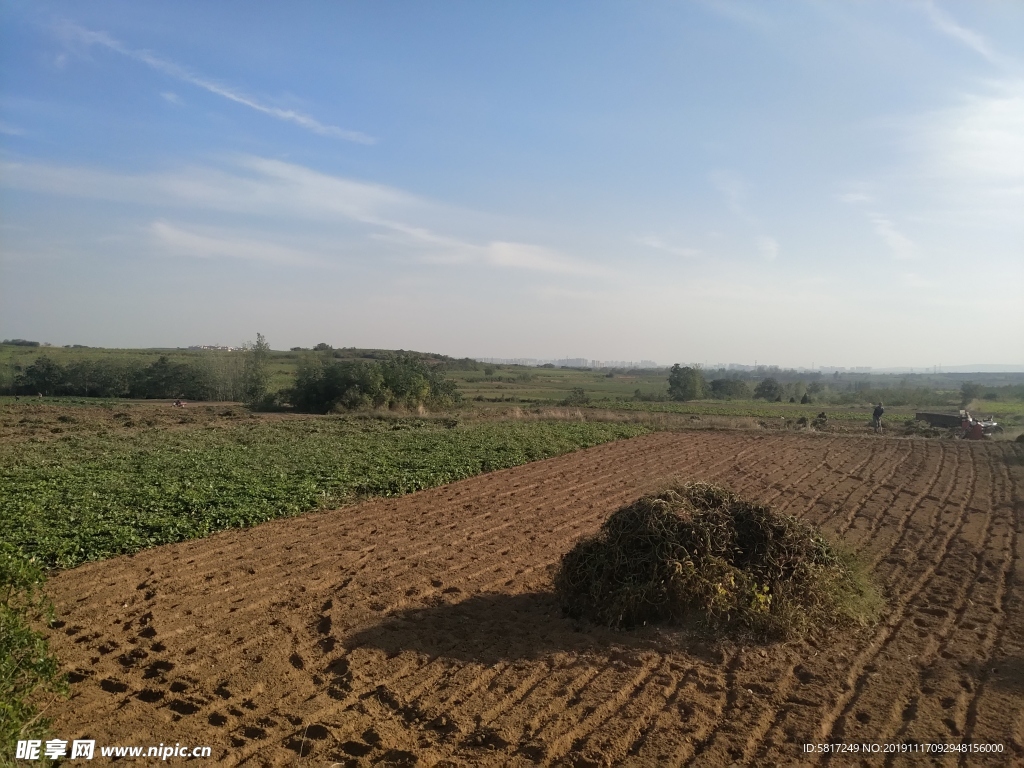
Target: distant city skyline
x=799, y=182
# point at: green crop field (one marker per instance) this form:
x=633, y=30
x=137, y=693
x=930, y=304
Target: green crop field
x=95, y=493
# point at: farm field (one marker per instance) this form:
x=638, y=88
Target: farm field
x=85, y=483
x=421, y=630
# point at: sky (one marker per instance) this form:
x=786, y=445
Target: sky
x=802, y=184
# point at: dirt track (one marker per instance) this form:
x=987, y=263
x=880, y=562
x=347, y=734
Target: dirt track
x=420, y=630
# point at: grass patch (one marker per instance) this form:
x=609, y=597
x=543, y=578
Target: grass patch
x=696, y=554
x=88, y=496
x=27, y=669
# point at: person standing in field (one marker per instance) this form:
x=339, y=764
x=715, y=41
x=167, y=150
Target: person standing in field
x=876, y=417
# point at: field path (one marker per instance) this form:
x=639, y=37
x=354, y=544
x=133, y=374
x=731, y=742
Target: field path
x=421, y=630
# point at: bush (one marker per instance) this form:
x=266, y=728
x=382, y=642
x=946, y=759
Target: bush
x=26, y=665
x=697, y=553
x=323, y=385
x=577, y=397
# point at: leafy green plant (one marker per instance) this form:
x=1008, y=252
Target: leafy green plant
x=577, y=397
x=87, y=497
x=27, y=668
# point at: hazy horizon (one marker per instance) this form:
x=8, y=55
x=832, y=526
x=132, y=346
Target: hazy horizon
x=806, y=185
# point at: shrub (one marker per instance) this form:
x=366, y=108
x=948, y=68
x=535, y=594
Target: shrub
x=322, y=385
x=697, y=553
x=578, y=396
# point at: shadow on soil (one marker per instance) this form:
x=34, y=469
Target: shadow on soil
x=494, y=627
x=1006, y=672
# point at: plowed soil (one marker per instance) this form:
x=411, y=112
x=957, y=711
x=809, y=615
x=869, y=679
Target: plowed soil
x=422, y=630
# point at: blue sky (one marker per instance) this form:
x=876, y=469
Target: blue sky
x=796, y=183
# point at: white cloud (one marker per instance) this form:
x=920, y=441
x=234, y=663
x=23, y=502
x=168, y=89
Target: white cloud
x=768, y=247
x=652, y=241
x=981, y=139
x=968, y=37
x=855, y=198
x=182, y=242
x=901, y=246
x=533, y=257
x=9, y=130
x=179, y=72
x=291, y=195
x=171, y=97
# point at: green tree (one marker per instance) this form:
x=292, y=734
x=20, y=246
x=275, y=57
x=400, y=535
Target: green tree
x=686, y=383
x=768, y=389
x=44, y=377
x=729, y=389
x=257, y=372
x=969, y=391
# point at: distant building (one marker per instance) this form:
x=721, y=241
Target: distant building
x=216, y=347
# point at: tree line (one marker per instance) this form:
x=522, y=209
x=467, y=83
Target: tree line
x=131, y=378
x=322, y=383
x=689, y=383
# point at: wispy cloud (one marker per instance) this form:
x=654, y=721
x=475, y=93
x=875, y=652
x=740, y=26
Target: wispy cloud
x=9, y=130
x=968, y=37
x=89, y=37
x=652, y=241
x=182, y=242
x=171, y=98
x=856, y=197
x=537, y=258
x=745, y=13
x=289, y=196
x=901, y=246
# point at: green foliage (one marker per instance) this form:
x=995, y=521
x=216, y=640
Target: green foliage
x=257, y=373
x=75, y=499
x=968, y=392
x=20, y=343
x=730, y=389
x=26, y=665
x=768, y=389
x=407, y=381
x=754, y=409
x=686, y=383
x=577, y=397
x=162, y=378
x=697, y=553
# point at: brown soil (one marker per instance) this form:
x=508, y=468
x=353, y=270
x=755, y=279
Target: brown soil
x=422, y=630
